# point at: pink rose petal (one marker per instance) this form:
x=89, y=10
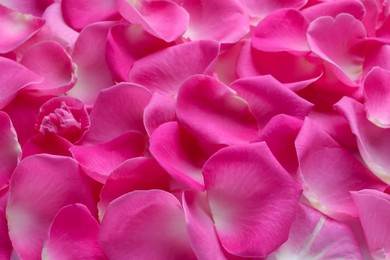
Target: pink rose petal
x=50, y=144
x=5, y=244
x=34, y=7
x=262, y=8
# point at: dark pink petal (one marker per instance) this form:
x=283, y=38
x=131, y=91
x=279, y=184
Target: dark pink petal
x=139, y=173
x=328, y=181
x=252, y=199
x=164, y=19
x=98, y=161
x=165, y=71
x=127, y=43
x=79, y=14
x=117, y=109
x=179, y=154
x=376, y=57
x=374, y=209
x=262, y=8
x=50, y=61
x=280, y=134
x=5, y=243
x=51, y=144
x=335, y=41
x=373, y=141
x=283, y=30
x=13, y=78
x=267, y=97
x=40, y=186
x=145, y=225
x=295, y=72
x=316, y=236
x=10, y=151
x=16, y=28
x=73, y=235
x=377, y=97
x=89, y=56
x=3, y=197
x=214, y=113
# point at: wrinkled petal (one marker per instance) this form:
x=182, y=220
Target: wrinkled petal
x=131, y=227
x=98, y=161
x=40, y=186
x=73, y=235
x=252, y=199
x=165, y=71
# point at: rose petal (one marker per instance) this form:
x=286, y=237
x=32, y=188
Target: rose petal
x=262, y=8
x=5, y=244
x=50, y=144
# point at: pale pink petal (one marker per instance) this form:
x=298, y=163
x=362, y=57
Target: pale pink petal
x=127, y=43
x=34, y=7
x=164, y=19
x=262, y=8
x=227, y=61
x=328, y=172
x=377, y=97
x=373, y=141
x=252, y=199
x=280, y=134
x=98, y=161
x=214, y=113
x=117, y=109
x=161, y=109
x=267, y=97
x=222, y=21
x=335, y=41
x=165, y=71
x=374, y=209
x=296, y=72
x=316, y=236
x=73, y=235
x=283, y=30
x=5, y=243
x=16, y=28
x=40, y=186
x=139, y=173
x=89, y=56
x=79, y=14
x=10, y=151
x=51, y=144
x=13, y=78
x=50, y=61
x=179, y=154
x=145, y=225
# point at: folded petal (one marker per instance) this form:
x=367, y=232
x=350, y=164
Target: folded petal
x=73, y=234
x=376, y=57
x=145, y=225
x=267, y=97
x=165, y=71
x=40, y=186
x=98, y=161
x=164, y=19
x=214, y=113
x=117, y=109
x=50, y=144
x=327, y=182
x=252, y=199
x=270, y=36
x=139, y=173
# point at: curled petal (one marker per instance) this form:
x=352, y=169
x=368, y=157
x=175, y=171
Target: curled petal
x=51, y=144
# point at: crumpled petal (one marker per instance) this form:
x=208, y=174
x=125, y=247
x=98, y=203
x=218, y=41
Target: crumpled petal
x=40, y=186
x=165, y=71
x=164, y=19
x=252, y=199
x=73, y=235
x=131, y=227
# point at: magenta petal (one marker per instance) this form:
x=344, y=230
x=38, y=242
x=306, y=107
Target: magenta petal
x=374, y=209
x=163, y=19
x=270, y=36
x=51, y=144
x=252, y=199
x=16, y=28
x=117, y=109
x=316, y=236
x=165, y=71
x=10, y=151
x=40, y=186
x=132, y=227
x=214, y=113
x=262, y=8
x=139, y=173
x=5, y=244
x=267, y=97
x=73, y=235
x=100, y=160
x=328, y=181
